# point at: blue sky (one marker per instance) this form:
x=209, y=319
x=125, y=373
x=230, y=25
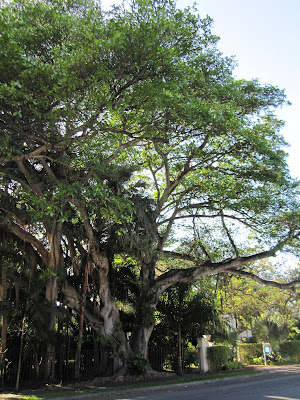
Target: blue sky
x=264, y=35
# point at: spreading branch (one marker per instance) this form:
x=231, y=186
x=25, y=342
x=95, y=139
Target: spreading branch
x=290, y=286
x=208, y=268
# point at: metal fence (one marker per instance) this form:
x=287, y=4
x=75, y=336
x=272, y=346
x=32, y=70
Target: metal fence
x=92, y=363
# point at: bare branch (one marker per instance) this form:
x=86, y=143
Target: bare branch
x=208, y=268
x=290, y=286
x=168, y=230
x=199, y=242
x=228, y=235
x=165, y=163
x=37, y=190
x=155, y=180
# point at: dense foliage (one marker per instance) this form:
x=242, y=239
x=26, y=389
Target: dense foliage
x=290, y=349
x=249, y=351
x=131, y=160
x=217, y=357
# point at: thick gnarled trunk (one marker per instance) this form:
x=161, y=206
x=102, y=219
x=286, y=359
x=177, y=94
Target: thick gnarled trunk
x=109, y=311
x=106, y=319
x=140, y=338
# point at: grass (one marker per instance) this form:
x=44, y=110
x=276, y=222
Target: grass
x=69, y=391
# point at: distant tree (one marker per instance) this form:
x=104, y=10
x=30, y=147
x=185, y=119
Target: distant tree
x=267, y=331
x=250, y=302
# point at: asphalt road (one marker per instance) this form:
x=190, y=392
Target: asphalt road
x=278, y=383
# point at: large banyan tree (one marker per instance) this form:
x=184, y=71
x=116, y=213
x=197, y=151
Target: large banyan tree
x=126, y=136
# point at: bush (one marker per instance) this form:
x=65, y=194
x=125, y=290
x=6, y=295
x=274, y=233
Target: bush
x=250, y=352
x=290, y=349
x=217, y=357
x=191, y=358
x=232, y=365
x=138, y=364
x=258, y=360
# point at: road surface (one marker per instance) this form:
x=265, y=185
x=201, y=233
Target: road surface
x=281, y=383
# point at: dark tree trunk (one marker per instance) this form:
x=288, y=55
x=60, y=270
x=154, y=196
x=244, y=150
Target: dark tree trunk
x=55, y=260
x=3, y=297
x=179, y=358
x=20, y=355
x=81, y=322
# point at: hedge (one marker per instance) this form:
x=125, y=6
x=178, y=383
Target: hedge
x=290, y=349
x=249, y=351
x=217, y=357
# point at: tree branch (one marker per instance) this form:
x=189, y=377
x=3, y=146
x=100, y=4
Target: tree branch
x=37, y=190
x=228, y=235
x=27, y=237
x=73, y=299
x=122, y=146
x=208, y=268
x=290, y=286
x=178, y=256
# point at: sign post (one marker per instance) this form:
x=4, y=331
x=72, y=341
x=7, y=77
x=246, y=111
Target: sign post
x=266, y=350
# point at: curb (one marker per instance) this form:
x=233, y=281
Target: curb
x=161, y=387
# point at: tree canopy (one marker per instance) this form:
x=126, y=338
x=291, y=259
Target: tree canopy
x=126, y=134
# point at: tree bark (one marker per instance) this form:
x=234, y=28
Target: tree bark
x=3, y=297
x=51, y=294
x=20, y=355
x=140, y=338
x=109, y=311
x=179, y=358
x=72, y=299
x=81, y=321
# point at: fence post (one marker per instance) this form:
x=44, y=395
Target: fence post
x=203, y=345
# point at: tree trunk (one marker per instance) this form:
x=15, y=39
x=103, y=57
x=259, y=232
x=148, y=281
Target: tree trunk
x=107, y=321
x=81, y=321
x=145, y=319
x=179, y=359
x=72, y=299
x=3, y=297
x=109, y=311
x=20, y=355
x=140, y=338
x=51, y=294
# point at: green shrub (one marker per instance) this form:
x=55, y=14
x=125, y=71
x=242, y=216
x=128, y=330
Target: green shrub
x=232, y=365
x=217, y=357
x=258, y=360
x=250, y=352
x=191, y=358
x=138, y=364
x=290, y=349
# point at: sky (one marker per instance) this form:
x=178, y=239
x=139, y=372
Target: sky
x=264, y=36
